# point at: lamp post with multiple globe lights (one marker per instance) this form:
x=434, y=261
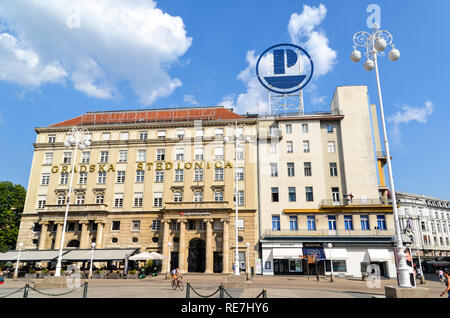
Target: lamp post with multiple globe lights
x=16, y=270
x=375, y=43
x=80, y=139
x=92, y=260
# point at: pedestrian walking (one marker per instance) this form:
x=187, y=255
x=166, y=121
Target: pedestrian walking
x=441, y=275
x=447, y=284
x=2, y=279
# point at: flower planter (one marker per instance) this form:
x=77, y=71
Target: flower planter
x=114, y=276
x=98, y=276
x=132, y=276
x=29, y=275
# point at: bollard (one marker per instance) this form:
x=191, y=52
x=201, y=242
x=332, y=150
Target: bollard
x=85, y=290
x=25, y=291
x=264, y=293
x=222, y=292
x=188, y=290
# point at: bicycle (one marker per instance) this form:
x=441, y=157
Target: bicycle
x=179, y=284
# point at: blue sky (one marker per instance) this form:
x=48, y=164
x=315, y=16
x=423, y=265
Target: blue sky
x=139, y=54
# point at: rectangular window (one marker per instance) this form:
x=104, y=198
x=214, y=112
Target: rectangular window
x=309, y=194
x=365, y=223
x=335, y=194
x=275, y=195
x=179, y=154
x=198, y=175
x=45, y=179
x=180, y=133
x=118, y=200
x=290, y=169
x=240, y=153
x=311, y=222
x=201, y=225
x=218, y=174
x=80, y=199
x=381, y=222
x=178, y=197
x=85, y=156
x=273, y=147
x=198, y=196
x=115, y=226
x=240, y=224
x=48, y=158
x=138, y=199
x=305, y=128
x=161, y=134
x=51, y=139
x=156, y=225
x=174, y=225
x=159, y=176
x=99, y=199
x=101, y=177
x=288, y=129
x=67, y=156
x=191, y=225
x=104, y=156
x=333, y=169
x=143, y=135
x=332, y=223
x=120, y=177
x=348, y=222
x=42, y=199
x=83, y=178
x=124, y=135
x=64, y=178
x=218, y=132
x=160, y=154
x=307, y=168
x=142, y=155
x=135, y=225
x=106, y=136
x=61, y=200
x=140, y=176
x=241, y=198
x=331, y=147
x=179, y=175
x=157, y=199
x=289, y=147
x=275, y=222
x=218, y=153
x=306, y=146
x=292, y=195
x=70, y=227
x=218, y=196
x=240, y=174
x=293, y=223
x=330, y=129
x=198, y=154
x=123, y=154
x=274, y=170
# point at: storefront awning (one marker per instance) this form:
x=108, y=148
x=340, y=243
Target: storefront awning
x=30, y=256
x=287, y=253
x=379, y=255
x=8, y=256
x=336, y=253
x=99, y=254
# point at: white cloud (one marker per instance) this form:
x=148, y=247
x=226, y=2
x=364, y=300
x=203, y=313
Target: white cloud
x=95, y=45
x=188, y=98
x=408, y=114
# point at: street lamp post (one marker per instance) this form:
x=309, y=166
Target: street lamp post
x=16, y=271
x=78, y=138
x=375, y=43
x=92, y=260
x=238, y=140
x=248, y=259
x=331, y=261
x=168, y=261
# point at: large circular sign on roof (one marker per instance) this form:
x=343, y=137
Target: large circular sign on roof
x=284, y=68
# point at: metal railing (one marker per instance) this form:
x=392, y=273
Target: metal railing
x=27, y=289
x=353, y=202
x=221, y=291
x=327, y=232
x=197, y=205
x=76, y=207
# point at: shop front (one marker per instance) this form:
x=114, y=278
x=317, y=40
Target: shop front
x=282, y=258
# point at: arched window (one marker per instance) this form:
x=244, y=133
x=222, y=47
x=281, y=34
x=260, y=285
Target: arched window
x=73, y=243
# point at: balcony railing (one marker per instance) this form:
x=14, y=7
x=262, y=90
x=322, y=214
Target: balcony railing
x=353, y=202
x=326, y=232
x=76, y=208
x=197, y=205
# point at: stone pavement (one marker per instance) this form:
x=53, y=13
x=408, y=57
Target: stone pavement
x=276, y=286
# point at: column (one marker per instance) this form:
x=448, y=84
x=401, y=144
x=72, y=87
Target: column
x=182, y=264
x=209, y=250
x=165, y=246
x=225, y=247
x=99, y=235
x=43, y=236
x=58, y=236
x=84, y=234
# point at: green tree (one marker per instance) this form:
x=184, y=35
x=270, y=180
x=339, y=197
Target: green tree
x=12, y=201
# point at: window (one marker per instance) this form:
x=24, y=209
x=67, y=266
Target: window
x=191, y=225
x=156, y=225
x=365, y=223
x=160, y=154
x=288, y=129
x=311, y=223
x=292, y=195
x=289, y=147
x=118, y=200
x=275, y=195
x=275, y=222
x=218, y=132
x=273, y=147
x=67, y=156
x=198, y=154
x=135, y=225
x=240, y=174
x=104, y=156
x=180, y=133
x=48, y=158
x=159, y=176
x=61, y=200
x=240, y=224
x=45, y=179
x=309, y=194
x=218, y=196
x=101, y=177
x=64, y=178
x=138, y=199
x=157, y=199
x=120, y=177
x=70, y=227
x=51, y=139
x=41, y=201
x=178, y=197
x=174, y=226
x=335, y=194
x=85, y=156
x=80, y=199
x=201, y=225
x=307, y=168
x=124, y=135
x=198, y=175
x=333, y=169
x=218, y=174
x=199, y=133
x=123, y=154
x=274, y=170
x=140, y=176
x=332, y=223
x=305, y=128
x=330, y=129
x=99, y=198
x=161, y=134
x=142, y=155
x=240, y=153
x=218, y=153
x=381, y=222
x=198, y=196
x=143, y=135
x=179, y=154
x=293, y=223
x=348, y=222
x=306, y=146
x=115, y=226
x=240, y=197
x=106, y=136
x=179, y=175
x=290, y=169
x=83, y=178
x=331, y=147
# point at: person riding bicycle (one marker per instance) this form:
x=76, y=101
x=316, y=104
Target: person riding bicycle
x=176, y=275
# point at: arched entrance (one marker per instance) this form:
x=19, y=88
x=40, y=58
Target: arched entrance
x=73, y=243
x=197, y=253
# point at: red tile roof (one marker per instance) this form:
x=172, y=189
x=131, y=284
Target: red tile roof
x=150, y=115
